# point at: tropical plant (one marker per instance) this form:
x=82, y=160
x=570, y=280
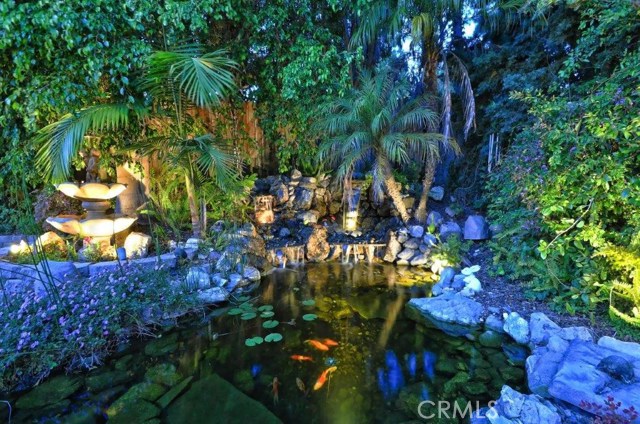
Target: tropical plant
x=175, y=84
x=378, y=124
x=439, y=66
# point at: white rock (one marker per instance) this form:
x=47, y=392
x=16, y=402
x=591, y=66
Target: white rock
x=192, y=243
x=470, y=270
x=137, y=245
x=472, y=283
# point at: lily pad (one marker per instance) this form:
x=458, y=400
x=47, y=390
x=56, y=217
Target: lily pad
x=235, y=311
x=308, y=302
x=243, y=298
x=270, y=324
x=273, y=337
x=247, y=306
x=265, y=308
x=267, y=314
x=309, y=317
x=248, y=315
x=253, y=341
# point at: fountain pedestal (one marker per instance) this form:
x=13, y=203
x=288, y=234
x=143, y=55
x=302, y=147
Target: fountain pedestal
x=96, y=224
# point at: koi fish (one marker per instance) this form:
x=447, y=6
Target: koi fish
x=323, y=378
x=301, y=358
x=329, y=342
x=318, y=345
x=301, y=385
x=275, y=384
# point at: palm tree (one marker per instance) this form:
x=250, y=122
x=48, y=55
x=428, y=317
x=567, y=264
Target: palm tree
x=378, y=124
x=174, y=85
x=429, y=19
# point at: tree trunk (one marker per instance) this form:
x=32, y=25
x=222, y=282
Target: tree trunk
x=394, y=192
x=421, y=210
x=193, y=205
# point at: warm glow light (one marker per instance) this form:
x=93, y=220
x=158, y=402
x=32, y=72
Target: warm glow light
x=91, y=227
x=19, y=248
x=351, y=221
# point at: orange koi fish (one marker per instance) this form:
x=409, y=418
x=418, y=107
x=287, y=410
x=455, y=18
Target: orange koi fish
x=275, y=384
x=323, y=378
x=301, y=358
x=318, y=345
x=329, y=342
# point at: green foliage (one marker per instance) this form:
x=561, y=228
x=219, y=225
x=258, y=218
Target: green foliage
x=568, y=186
x=94, y=317
x=451, y=251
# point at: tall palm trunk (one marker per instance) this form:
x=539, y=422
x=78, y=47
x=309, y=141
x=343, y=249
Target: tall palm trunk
x=429, y=173
x=193, y=205
x=394, y=191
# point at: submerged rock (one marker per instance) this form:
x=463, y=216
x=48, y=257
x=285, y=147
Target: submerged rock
x=50, y=392
x=162, y=346
x=212, y=398
x=165, y=374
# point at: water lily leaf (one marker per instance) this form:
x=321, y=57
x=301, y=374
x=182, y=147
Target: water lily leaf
x=243, y=298
x=248, y=315
x=235, y=311
x=253, y=341
x=267, y=314
x=270, y=324
x=309, y=302
x=309, y=317
x=265, y=308
x=247, y=306
x=273, y=337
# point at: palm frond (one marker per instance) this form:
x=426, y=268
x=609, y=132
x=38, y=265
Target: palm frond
x=61, y=141
x=468, y=98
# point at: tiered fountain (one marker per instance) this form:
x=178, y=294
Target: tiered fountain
x=96, y=224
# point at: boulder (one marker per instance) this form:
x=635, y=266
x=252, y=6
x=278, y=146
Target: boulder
x=251, y=273
x=52, y=242
x=541, y=368
x=137, y=245
x=406, y=254
x=280, y=192
x=430, y=240
x=192, y=243
x=413, y=243
x=317, y=247
x=517, y=327
x=476, y=228
x=494, y=323
x=628, y=348
x=436, y=193
x=165, y=374
x=449, y=229
x=542, y=328
x=211, y=398
x=403, y=235
x=213, y=295
x=446, y=276
x=308, y=217
x=419, y=259
x=198, y=278
x=578, y=380
x=59, y=270
x=416, y=231
x=450, y=307
x=303, y=197
x=393, y=247
x=514, y=407
x=434, y=219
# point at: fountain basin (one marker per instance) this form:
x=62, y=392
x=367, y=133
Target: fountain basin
x=91, y=192
x=103, y=227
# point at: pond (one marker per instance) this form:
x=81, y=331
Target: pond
x=325, y=343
